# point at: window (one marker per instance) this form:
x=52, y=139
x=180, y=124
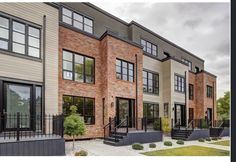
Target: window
x=20, y=38
x=191, y=92
x=86, y=107
x=124, y=70
x=209, y=91
x=77, y=20
x=151, y=112
x=78, y=68
x=188, y=62
x=179, y=83
x=149, y=47
x=150, y=82
x=166, y=107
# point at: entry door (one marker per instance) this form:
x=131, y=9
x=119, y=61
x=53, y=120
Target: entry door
x=180, y=115
x=209, y=114
x=17, y=98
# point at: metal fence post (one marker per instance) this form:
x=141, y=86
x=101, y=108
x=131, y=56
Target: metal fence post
x=62, y=125
x=18, y=126
x=145, y=126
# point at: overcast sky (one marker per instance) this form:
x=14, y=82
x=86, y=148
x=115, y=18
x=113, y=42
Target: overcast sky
x=201, y=28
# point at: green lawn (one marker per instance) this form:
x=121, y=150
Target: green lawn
x=189, y=151
x=223, y=143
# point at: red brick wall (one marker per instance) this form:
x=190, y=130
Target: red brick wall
x=106, y=85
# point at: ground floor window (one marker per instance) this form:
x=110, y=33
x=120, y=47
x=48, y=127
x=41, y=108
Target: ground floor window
x=151, y=110
x=85, y=105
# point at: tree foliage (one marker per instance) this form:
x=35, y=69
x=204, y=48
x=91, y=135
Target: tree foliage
x=223, y=106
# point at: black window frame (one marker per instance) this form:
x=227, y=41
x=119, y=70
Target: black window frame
x=10, y=41
x=73, y=67
x=121, y=73
x=145, y=48
x=209, y=91
x=153, y=104
x=73, y=19
x=179, y=83
x=154, y=75
x=83, y=115
x=189, y=63
x=191, y=92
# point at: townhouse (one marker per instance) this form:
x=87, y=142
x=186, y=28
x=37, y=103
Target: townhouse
x=63, y=54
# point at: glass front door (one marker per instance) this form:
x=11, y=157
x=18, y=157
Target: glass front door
x=180, y=115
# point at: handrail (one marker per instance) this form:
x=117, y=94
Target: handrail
x=117, y=126
x=109, y=124
x=191, y=122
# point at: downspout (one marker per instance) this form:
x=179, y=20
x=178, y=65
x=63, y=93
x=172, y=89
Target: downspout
x=186, y=121
x=213, y=109
x=136, y=119
x=44, y=63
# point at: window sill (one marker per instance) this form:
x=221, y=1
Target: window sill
x=73, y=81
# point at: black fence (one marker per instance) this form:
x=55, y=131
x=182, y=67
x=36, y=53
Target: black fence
x=24, y=126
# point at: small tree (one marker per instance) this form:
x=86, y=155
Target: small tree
x=223, y=106
x=165, y=125
x=74, y=124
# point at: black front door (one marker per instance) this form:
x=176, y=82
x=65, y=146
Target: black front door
x=180, y=115
x=125, y=108
x=209, y=115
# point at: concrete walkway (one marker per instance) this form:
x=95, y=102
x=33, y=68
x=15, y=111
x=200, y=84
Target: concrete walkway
x=97, y=148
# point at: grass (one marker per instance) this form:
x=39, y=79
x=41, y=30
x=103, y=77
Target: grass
x=189, y=151
x=223, y=143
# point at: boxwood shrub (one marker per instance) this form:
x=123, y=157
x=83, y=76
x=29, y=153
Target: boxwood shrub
x=137, y=146
x=201, y=140
x=152, y=145
x=81, y=153
x=168, y=143
x=214, y=138
x=180, y=142
x=208, y=139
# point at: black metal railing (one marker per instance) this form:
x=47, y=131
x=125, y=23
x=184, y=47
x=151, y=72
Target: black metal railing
x=18, y=126
x=108, y=128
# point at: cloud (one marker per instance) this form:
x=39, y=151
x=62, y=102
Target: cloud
x=201, y=28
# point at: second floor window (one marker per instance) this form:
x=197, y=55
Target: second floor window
x=149, y=47
x=124, y=70
x=19, y=37
x=179, y=83
x=150, y=82
x=209, y=91
x=78, y=67
x=77, y=20
x=191, y=92
x=188, y=62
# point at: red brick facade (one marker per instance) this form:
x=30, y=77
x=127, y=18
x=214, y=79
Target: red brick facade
x=106, y=85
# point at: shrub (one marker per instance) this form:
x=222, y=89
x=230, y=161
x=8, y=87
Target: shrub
x=168, y=143
x=165, y=123
x=201, y=140
x=208, y=139
x=214, y=138
x=137, y=146
x=180, y=142
x=81, y=153
x=204, y=123
x=219, y=138
x=152, y=145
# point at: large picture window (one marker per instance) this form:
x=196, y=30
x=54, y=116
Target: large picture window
x=19, y=37
x=149, y=47
x=78, y=67
x=77, y=20
x=179, y=83
x=150, y=82
x=209, y=91
x=86, y=107
x=124, y=70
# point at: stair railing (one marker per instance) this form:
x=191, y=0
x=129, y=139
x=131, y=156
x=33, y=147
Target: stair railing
x=108, y=127
x=191, y=123
x=120, y=125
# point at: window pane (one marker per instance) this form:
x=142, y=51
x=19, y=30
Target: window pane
x=18, y=27
x=34, y=32
x=4, y=33
x=17, y=37
x=149, y=50
x=79, y=103
x=4, y=22
x=124, y=70
x=143, y=42
x=124, y=77
x=67, y=75
x=18, y=48
x=78, y=17
x=79, y=77
x=78, y=25
x=89, y=107
x=3, y=44
x=79, y=59
x=34, y=42
x=144, y=74
x=118, y=69
x=154, y=47
x=118, y=76
x=124, y=64
x=66, y=12
x=131, y=78
x=131, y=73
x=67, y=56
x=88, y=29
x=67, y=20
x=131, y=66
x=67, y=65
x=79, y=68
x=149, y=45
x=67, y=102
x=34, y=52
x=118, y=62
x=88, y=22
x=89, y=66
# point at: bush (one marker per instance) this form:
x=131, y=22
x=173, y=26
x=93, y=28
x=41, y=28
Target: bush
x=152, y=145
x=208, y=139
x=168, y=143
x=201, y=140
x=165, y=123
x=204, y=123
x=214, y=138
x=180, y=142
x=137, y=146
x=81, y=153
x=219, y=138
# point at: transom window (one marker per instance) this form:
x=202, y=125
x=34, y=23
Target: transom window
x=150, y=82
x=149, y=47
x=86, y=107
x=19, y=37
x=179, y=83
x=124, y=70
x=188, y=62
x=77, y=20
x=191, y=92
x=78, y=67
x=209, y=91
